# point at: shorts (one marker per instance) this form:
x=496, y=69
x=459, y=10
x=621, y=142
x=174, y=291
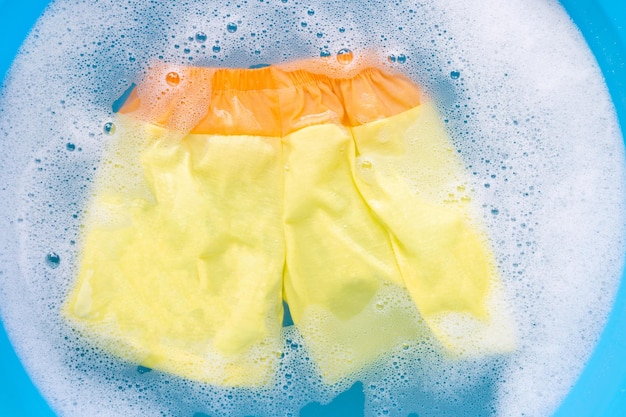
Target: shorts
x=225, y=192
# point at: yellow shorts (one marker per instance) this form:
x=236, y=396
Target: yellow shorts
x=341, y=196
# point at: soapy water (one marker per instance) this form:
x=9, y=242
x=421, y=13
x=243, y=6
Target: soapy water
x=526, y=109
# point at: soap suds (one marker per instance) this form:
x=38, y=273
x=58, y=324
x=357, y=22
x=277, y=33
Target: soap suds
x=527, y=111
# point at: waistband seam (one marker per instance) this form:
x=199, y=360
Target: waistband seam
x=297, y=78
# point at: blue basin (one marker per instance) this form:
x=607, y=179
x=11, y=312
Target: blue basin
x=600, y=390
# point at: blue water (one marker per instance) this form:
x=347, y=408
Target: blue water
x=601, y=389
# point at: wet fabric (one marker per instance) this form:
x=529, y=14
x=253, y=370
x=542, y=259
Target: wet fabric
x=226, y=191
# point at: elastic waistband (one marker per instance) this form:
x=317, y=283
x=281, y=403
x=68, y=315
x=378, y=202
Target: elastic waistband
x=265, y=78
x=266, y=101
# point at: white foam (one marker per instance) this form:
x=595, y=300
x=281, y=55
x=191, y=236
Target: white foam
x=527, y=109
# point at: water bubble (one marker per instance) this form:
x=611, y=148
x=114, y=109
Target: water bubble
x=366, y=165
x=455, y=75
x=391, y=58
x=401, y=59
x=320, y=34
x=53, y=260
x=109, y=128
x=311, y=12
x=303, y=24
x=231, y=27
x=70, y=147
x=143, y=370
x=201, y=37
x=172, y=78
x=324, y=54
x=216, y=48
x=495, y=211
x=344, y=56
x=187, y=50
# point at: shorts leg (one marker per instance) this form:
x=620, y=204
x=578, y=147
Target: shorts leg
x=182, y=261
x=446, y=262
x=342, y=283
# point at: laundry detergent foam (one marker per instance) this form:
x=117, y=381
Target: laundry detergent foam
x=528, y=115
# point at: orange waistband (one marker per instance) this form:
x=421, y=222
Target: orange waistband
x=267, y=101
